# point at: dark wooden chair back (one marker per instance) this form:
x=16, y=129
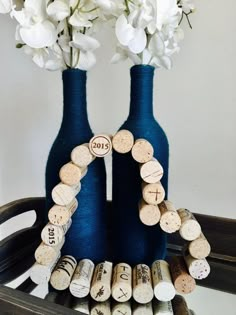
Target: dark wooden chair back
x=17, y=249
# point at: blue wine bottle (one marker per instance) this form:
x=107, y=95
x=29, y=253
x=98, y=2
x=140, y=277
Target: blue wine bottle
x=132, y=241
x=87, y=236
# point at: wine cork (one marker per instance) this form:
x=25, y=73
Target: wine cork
x=121, y=309
x=41, y=274
x=183, y=282
x=62, y=274
x=63, y=194
x=162, y=283
x=60, y=215
x=101, y=284
x=123, y=141
x=142, y=151
x=170, y=221
x=81, y=281
x=199, y=248
x=80, y=305
x=142, y=284
x=52, y=234
x=70, y=174
x=149, y=214
x=46, y=255
x=122, y=283
x=162, y=308
x=81, y=155
x=151, y=172
x=190, y=229
x=180, y=306
x=103, y=308
x=153, y=194
x=100, y=145
x=198, y=268
x=143, y=309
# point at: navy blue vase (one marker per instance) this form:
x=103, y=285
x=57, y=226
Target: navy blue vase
x=133, y=242
x=86, y=238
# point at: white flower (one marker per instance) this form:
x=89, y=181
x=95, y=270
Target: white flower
x=56, y=60
x=157, y=48
x=166, y=12
x=84, y=42
x=123, y=54
x=85, y=15
x=35, y=29
x=39, y=35
x=59, y=33
x=38, y=55
x=106, y=5
x=79, y=19
x=86, y=45
x=110, y=7
x=187, y=5
x=58, y=10
x=73, y=3
x=148, y=31
x=50, y=59
x=134, y=38
x=141, y=15
x=5, y=6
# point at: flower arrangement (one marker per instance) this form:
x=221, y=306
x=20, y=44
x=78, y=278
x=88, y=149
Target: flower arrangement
x=60, y=34
x=148, y=31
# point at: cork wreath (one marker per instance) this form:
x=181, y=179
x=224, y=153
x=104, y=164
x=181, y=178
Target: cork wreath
x=143, y=283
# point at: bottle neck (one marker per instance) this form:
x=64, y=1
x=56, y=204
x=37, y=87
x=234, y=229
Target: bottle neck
x=74, y=95
x=141, y=96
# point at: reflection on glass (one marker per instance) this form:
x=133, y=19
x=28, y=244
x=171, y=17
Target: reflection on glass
x=88, y=306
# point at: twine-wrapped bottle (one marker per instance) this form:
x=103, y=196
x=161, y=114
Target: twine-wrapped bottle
x=86, y=237
x=132, y=241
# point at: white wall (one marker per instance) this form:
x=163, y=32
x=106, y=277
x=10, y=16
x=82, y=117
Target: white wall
x=195, y=103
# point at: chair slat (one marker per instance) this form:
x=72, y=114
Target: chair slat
x=17, y=253
x=17, y=207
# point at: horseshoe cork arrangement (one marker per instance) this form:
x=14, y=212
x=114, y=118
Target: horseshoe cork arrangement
x=163, y=279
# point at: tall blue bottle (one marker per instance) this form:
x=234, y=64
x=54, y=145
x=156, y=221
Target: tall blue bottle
x=133, y=242
x=86, y=238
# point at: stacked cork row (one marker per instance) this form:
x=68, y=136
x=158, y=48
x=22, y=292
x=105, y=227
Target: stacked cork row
x=143, y=284
x=153, y=209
